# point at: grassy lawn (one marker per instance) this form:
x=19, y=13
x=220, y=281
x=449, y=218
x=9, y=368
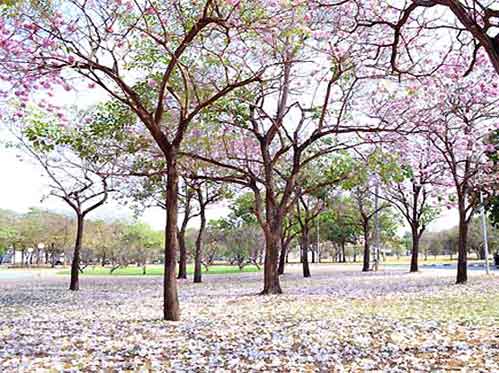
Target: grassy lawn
x=338, y=320
x=465, y=307
x=406, y=260
x=439, y=259
x=157, y=270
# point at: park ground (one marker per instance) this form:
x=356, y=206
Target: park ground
x=338, y=320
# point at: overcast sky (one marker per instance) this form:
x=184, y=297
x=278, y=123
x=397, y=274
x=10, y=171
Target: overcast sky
x=23, y=185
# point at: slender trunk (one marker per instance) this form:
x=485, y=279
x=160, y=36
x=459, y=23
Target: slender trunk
x=365, y=267
x=75, y=264
x=313, y=256
x=415, y=249
x=344, y=258
x=305, y=249
x=52, y=255
x=283, y=257
x=182, y=264
x=462, y=274
x=199, y=240
x=171, y=308
x=103, y=262
x=481, y=252
x=144, y=268
x=271, y=284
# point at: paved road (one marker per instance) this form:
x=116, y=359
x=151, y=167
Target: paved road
x=12, y=275
x=471, y=267
x=23, y=274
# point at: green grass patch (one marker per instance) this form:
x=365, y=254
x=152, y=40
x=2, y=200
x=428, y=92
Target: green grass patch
x=473, y=308
x=439, y=259
x=157, y=270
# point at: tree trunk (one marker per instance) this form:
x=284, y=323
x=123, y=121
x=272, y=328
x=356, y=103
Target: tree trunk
x=282, y=257
x=75, y=263
x=199, y=240
x=481, y=252
x=171, y=309
x=344, y=258
x=271, y=284
x=305, y=249
x=52, y=255
x=313, y=255
x=415, y=250
x=182, y=264
x=103, y=262
x=365, y=267
x=462, y=274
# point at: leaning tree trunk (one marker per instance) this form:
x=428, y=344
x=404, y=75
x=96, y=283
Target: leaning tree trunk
x=182, y=264
x=199, y=242
x=271, y=284
x=415, y=250
x=171, y=309
x=305, y=249
x=75, y=264
x=462, y=274
x=365, y=267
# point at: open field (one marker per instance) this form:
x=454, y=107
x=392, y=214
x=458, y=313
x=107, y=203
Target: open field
x=340, y=319
x=157, y=270
x=439, y=259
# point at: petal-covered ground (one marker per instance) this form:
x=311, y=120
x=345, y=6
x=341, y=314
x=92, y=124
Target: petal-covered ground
x=339, y=320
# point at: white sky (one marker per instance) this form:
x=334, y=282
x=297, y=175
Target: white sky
x=23, y=185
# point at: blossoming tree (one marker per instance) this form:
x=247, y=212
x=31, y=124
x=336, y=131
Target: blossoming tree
x=166, y=62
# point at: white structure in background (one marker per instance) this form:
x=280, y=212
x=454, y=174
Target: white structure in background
x=30, y=256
